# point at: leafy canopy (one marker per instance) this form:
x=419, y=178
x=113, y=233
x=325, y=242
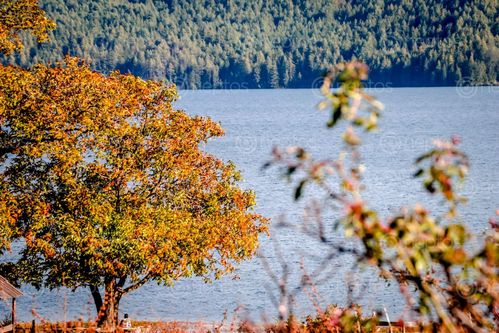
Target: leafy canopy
x=108, y=186
x=105, y=183
x=19, y=15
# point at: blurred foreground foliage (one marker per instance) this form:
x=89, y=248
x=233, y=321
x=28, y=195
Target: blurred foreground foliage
x=447, y=285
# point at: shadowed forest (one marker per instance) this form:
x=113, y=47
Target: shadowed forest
x=269, y=44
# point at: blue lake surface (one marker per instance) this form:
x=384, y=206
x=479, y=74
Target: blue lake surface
x=257, y=120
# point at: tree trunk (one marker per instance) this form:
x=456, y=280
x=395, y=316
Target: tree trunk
x=108, y=313
x=94, y=290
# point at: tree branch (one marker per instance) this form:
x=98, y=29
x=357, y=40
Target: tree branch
x=96, y=296
x=139, y=284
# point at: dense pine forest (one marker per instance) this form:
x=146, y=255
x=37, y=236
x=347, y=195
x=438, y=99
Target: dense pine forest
x=276, y=43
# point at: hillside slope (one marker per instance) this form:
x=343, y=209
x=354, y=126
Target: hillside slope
x=277, y=43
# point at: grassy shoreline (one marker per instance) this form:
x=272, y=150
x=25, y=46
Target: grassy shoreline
x=195, y=326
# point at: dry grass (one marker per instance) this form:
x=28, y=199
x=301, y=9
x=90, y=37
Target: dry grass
x=199, y=327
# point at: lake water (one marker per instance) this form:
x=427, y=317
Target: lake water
x=257, y=120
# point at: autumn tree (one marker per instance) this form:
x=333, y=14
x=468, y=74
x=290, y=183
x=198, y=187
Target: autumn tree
x=21, y=15
x=15, y=17
x=105, y=183
x=118, y=193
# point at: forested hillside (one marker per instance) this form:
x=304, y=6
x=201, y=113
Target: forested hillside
x=277, y=43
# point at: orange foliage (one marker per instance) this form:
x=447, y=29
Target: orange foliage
x=109, y=187
x=18, y=15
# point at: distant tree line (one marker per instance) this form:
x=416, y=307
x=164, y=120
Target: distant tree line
x=276, y=43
